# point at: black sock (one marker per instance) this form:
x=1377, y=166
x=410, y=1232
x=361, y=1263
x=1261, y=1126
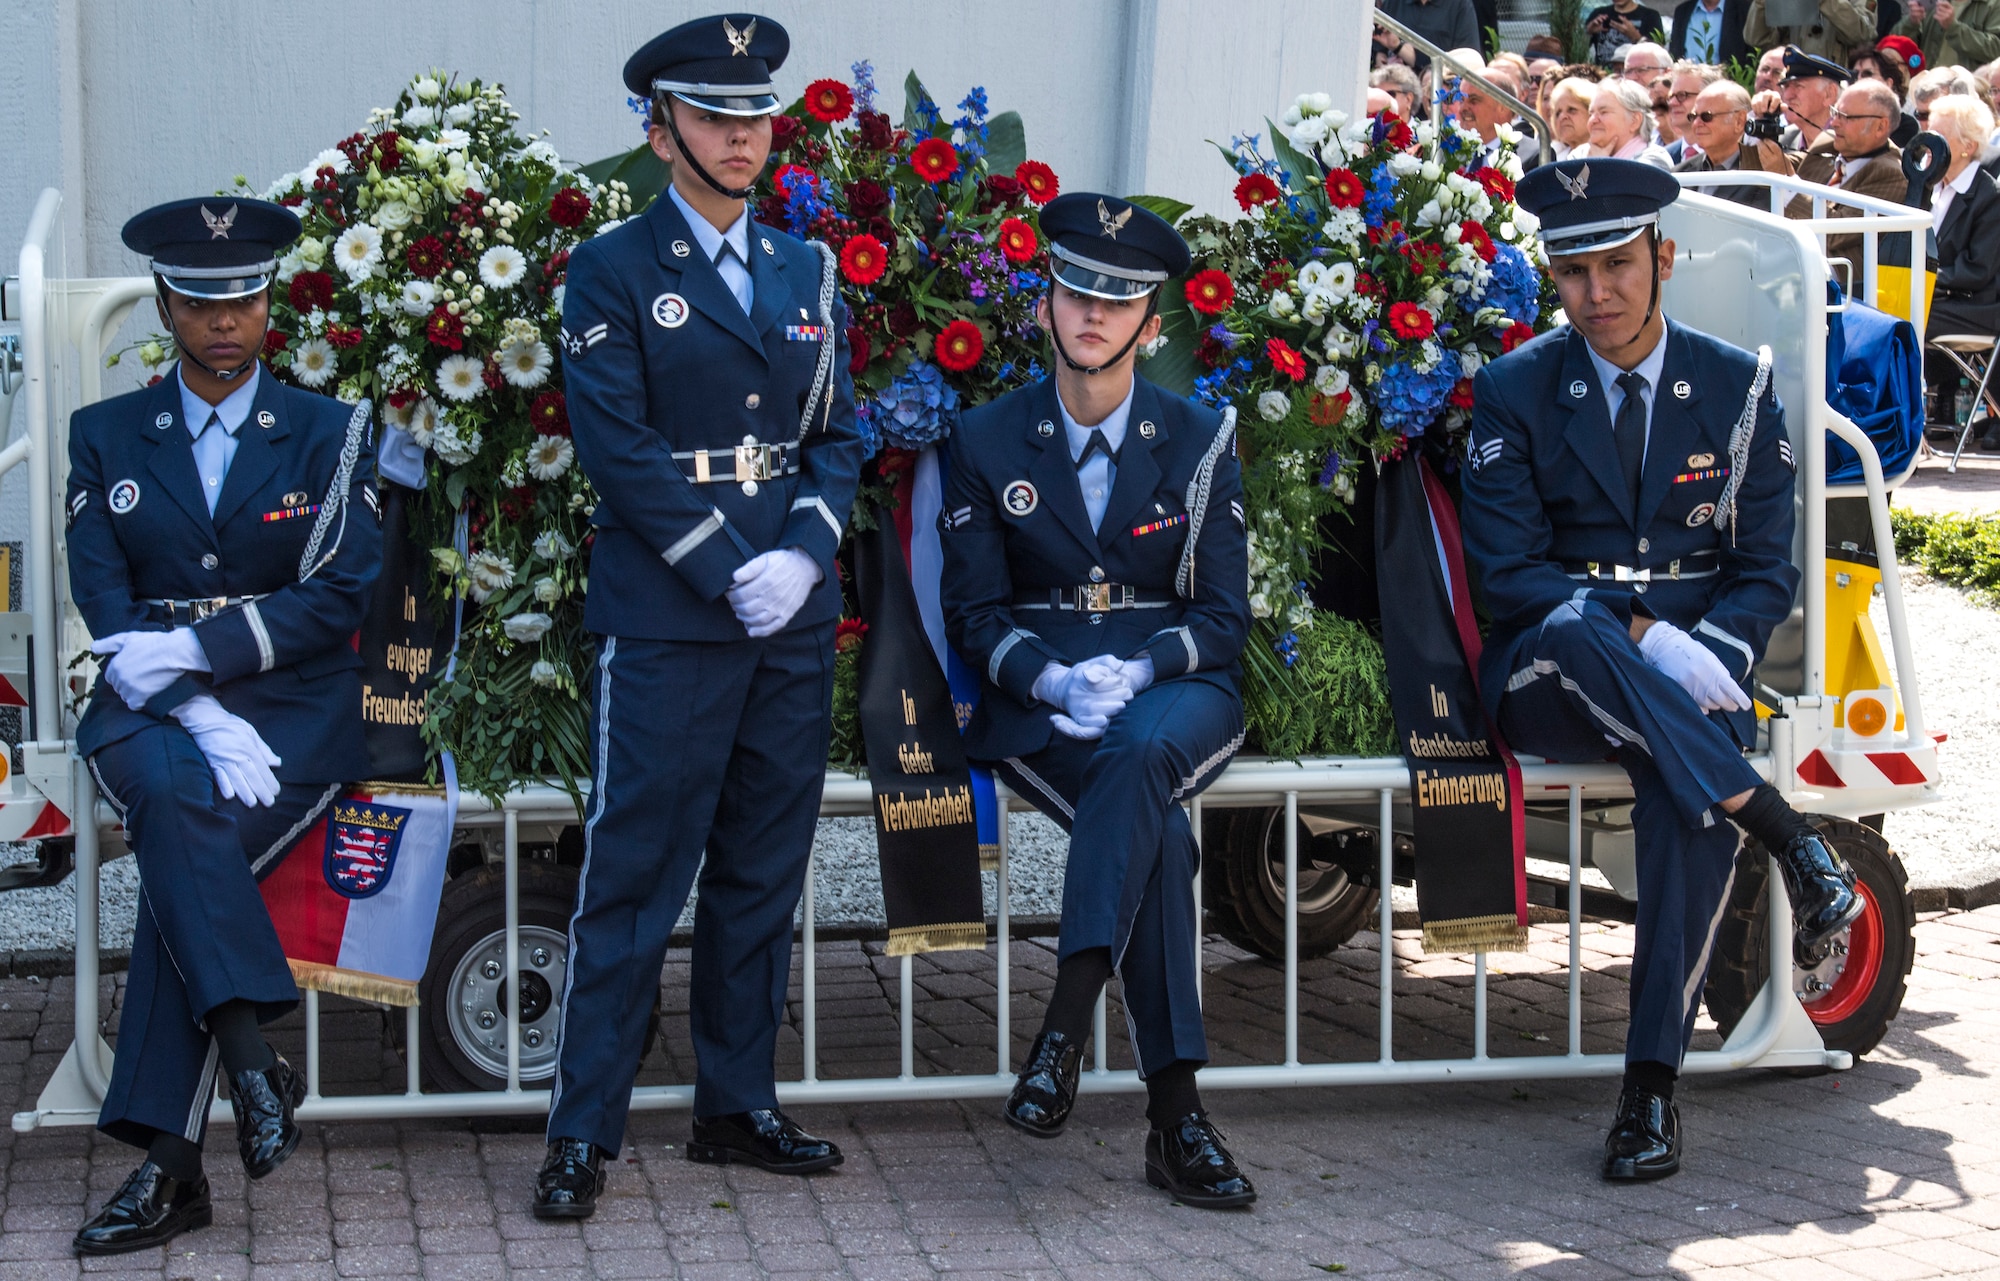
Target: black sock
x=1171, y=1093
x=233, y=1024
x=1767, y=818
x=1655, y=1078
x=1073, y=1004
x=176, y=1157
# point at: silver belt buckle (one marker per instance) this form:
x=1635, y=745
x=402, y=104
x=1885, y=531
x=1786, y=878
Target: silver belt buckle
x=753, y=462
x=1094, y=598
x=1627, y=574
x=202, y=610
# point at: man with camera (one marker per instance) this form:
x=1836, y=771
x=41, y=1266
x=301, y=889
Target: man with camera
x=1718, y=121
x=1855, y=155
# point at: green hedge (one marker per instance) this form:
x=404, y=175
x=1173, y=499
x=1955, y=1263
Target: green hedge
x=1961, y=550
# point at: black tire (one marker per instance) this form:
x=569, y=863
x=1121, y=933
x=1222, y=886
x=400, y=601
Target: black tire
x=1854, y=1012
x=1243, y=883
x=461, y=985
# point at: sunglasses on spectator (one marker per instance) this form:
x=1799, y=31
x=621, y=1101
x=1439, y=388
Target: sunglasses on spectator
x=1922, y=116
x=1710, y=117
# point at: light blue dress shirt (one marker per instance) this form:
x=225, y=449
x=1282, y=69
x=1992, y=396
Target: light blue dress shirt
x=1097, y=476
x=734, y=265
x=214, y=430
x=1704, y=35
x=1649, y=369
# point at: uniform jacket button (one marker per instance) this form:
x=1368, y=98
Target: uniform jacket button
x=1096, y=574
x=749, y=489
x=749, y=440
x=1639, y=588
x=1097, y=618
x=1645, y=546
x=752, y=400
x=209, y=561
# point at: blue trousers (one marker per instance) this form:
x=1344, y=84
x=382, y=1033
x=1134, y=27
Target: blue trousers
x=1129, y=885
x=203, y=936
x=1579, y=680
x=697, y=747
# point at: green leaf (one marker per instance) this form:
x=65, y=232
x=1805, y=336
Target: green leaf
x=454, y=489
x=644, y=174
x=1299, y=166
x=1166, y=206
x=913, y=93
x=1006, y=142
x=1175, y=368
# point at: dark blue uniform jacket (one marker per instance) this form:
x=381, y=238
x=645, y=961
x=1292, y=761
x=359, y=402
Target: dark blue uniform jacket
x=287, y=663
x=658, y=357
x=994, y=553
x=1545, y=499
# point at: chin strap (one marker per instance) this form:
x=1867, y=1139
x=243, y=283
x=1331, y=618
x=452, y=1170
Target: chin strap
x=1652, y=303
x=226, y=375
x=1152, y=309
x=681, y=148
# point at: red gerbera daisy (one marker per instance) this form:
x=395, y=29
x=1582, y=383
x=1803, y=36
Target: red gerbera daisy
x=1255, y=190
x=1328, y=411
x=828, y=101
x=863, y=260
x=935, y=160
x=847, y=634
x=1514, y=335
x=1471, y=233
x=1287, y=361
x=425, y=257
x=960, y=346
x=1461, y=394
x=1210, y=292
x=1411, y=322
x=1497, y=184
x=1344, y=189
x=1017, y=240
x=1038, y=180
x=1398, y=136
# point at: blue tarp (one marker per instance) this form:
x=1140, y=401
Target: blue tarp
x=1875, y=376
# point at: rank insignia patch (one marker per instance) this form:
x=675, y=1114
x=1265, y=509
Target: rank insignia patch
x=948, y=521
x=576, y=344
x=76, y=506
x=361, y=845
x=1785, y=453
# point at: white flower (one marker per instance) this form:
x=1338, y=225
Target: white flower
x=1322, y=104
x=490, y=572
x=545, y=673
x=613, y=223
x=526, y=364
x=550, y=456
x=556, y=297
x=393, y=215
x=1331, y=380
x=1311, y=274
x=313, y=250
x=1469, y=361
x=1260, y=605
x=502, y=267
x=426, y=89
x=459, y=378
x=358, y=251
x=313, y=363
x=547, y=590
x=1318, y=306
x=417, y=297
x=332, y=158
x=454, y=139
x=1282, y=306
x=460, y=113
x=1431, y=171
x=528, y=627
x=423, y=421
x=1274, y=405
x=454, y=445
x=542, y=151
x=290, y=265
x=420, y=117
x=1403, y=164
x=1339, y=280
x=550, y=545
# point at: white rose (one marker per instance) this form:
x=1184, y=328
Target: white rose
x=1339, y=279
x=417, y=297
x=1282, y=306
x=551, y=545
x=1331, y=380
x=1469, y=361
x=1322, y=103
x=547, y=590
x=1311, y=274
x=420, y=117
x=1317, y=307
x=394, y=216
x=545, y=673
x=1403, y=164
x=1431, y=171
x=1274, y=405
x=528, y=627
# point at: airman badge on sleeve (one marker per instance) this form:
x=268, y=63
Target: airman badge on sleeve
x=1019, y=498
x=124, y=496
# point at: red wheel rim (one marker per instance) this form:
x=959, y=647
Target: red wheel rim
x=1864, y=965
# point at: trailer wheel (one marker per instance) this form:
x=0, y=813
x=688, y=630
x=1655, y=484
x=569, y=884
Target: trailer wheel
x=464, y=1018
x=1858, y=990
x=1243, y=883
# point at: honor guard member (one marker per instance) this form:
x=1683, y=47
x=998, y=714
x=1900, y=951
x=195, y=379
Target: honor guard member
x=1095, y=570
x=1629, y=509
x=706, y=368
x=222, y=539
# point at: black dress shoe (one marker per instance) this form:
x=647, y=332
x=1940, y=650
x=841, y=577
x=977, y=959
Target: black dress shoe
x=1645, y=1140
x=1045, y=1091
x=765, y=1138
x=264, y=1102
x=1822, y=892
x=570, y=1180
x=1188, y=1160
x=149, y=1209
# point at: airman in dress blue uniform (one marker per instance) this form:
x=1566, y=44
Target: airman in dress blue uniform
x=1629, y=506
x=706, y=366
x=222, y=537
x=1095, y=571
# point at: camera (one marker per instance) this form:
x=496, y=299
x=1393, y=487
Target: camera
x=1767, y=124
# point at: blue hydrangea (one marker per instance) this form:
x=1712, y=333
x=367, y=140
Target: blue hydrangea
x=864, y=85
x=1515, y=287
x=919, y=408
x=1408, y=401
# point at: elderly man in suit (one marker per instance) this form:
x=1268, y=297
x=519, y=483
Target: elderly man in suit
x=1715, y=121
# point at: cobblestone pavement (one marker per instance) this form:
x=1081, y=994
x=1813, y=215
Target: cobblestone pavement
x=1886, y=1172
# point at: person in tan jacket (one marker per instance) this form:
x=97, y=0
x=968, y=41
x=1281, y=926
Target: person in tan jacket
x=1855, y=155
x=1842, y=26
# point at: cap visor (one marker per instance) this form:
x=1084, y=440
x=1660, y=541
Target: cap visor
x=763, y=104
x=1098, y=284
x=216, y=289
x=1590, y=242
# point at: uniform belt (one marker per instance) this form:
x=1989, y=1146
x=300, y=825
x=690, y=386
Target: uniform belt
x=744, y=462
x=1094, y=598
x=1672, y=571
x=195, y=611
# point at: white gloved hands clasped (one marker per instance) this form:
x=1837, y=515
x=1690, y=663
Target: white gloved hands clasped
x=1090, y=693
x=144, y=663
x=237, y=755
x=770, y=588
x=1691, y=665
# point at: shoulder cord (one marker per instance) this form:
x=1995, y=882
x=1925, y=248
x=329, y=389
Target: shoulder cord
x=1739, y=445
x=1197, y=499
x=823, y=375
x=336, y=495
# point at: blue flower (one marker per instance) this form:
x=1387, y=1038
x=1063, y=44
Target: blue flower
x=802, y=204
x=1287, y=647
x=928, y=111
x=864, y=418
x=919, y=408
x=643, y=108
x=1381, y=196
x=1331, y=470
x=1408, y=401
x=864, y=85
x=1515, y=286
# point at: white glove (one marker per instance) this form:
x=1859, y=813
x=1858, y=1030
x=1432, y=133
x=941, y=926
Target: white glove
x=770, y=588
x=1690, y=664
x=237, y=756
x=1089, y=694
x=145, y=663
x=1138, y=673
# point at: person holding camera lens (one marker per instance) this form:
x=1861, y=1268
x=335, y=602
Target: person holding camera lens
x=1719, y=122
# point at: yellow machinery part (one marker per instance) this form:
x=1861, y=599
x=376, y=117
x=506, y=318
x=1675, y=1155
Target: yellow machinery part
x=1854, y=657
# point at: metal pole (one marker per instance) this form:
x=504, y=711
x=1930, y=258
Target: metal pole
x=413, y=1081
x=907, y=1016
x=510, y=982
x=809, y=994
x=1003, y=979
x=312, y=1045
x=37, y=345
x=1386, y=923
x=1479, y=1004
x=1098, y=1062
x=88, y=1014
x=1575, y=921
x=1291, y=929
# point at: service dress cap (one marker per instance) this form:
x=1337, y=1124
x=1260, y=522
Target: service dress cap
x=721, y=63
x=1110, y=248
x=1800, y=65
x=1598, y=203
x=213, y=247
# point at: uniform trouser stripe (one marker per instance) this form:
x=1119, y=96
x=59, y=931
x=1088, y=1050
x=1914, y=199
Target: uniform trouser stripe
x=197, y=1118
x=598, y=792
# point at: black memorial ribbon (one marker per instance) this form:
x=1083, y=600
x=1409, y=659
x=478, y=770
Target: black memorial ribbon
x=400, y=648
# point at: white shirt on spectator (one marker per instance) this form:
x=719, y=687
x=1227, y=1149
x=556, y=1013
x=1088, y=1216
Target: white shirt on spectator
x=1946, y=191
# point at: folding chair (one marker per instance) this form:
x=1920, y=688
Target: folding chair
x=1977, y=356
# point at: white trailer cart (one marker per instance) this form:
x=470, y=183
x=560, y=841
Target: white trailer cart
x=1300, y=852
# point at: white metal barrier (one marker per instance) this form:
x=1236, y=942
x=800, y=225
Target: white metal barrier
x=1774, y=1032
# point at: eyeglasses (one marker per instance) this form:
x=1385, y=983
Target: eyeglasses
x=1921, y=116
x=1710, y=117
x=1838, y=114
x=1684, y=95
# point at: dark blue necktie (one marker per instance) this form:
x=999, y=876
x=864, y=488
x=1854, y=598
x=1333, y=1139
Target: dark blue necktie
x=1630, y=429
x=1097, y=444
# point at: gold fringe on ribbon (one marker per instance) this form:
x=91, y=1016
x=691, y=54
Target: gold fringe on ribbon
x=359, y=984
x=1499, y=933
x=959, y=936
x=989, y=857
x=407, y=789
